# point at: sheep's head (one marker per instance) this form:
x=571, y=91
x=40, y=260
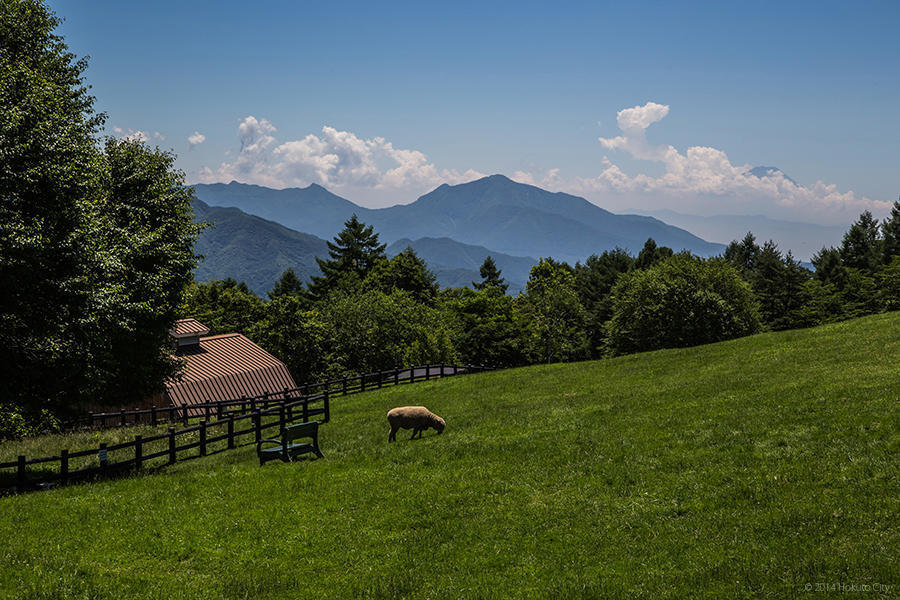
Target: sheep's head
x=439, y=424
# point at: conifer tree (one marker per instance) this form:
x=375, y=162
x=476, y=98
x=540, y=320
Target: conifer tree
x=408, y=273
x=890, y=230
x=288, y=285
x=861, y=246
x=490, y=277
x=353, y=254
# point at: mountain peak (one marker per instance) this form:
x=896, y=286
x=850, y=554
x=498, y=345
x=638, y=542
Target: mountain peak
x=769, y=171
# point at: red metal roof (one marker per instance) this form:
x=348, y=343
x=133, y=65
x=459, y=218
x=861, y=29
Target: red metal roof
x=188, y=328
x=226, y=367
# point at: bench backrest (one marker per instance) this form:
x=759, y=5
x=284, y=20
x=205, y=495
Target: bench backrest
x=301, y=430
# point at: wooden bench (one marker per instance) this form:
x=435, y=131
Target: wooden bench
x=286, y=448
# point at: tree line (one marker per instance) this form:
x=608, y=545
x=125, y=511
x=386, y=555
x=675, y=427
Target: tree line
x=367, y=312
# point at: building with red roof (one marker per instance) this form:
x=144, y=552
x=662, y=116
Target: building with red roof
x=221, y=367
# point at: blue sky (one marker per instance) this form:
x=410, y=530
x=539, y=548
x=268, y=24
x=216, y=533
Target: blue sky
x=415, y=94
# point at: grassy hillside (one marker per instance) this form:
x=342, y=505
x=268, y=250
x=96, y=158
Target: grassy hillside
x=751, y=468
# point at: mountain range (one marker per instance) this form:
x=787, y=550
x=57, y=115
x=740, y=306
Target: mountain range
x=453, y=228
x=251, y=249
x=494, y=212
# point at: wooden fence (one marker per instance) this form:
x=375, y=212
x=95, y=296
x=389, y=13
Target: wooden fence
x=255, y=415
x=219, y=410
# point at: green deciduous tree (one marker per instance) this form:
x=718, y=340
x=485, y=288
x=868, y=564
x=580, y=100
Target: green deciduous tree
x=594, y=281
x=374, y=331
x=300, y=338
x=680, y=301
x=95, y=242
x=405, y=272
x=551, y=314
x=141, y=251
x=49, y=165
x=224, y=306
x=485, y=331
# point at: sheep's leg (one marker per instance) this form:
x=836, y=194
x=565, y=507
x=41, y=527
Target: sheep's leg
x=415, y=431
x=392, y=436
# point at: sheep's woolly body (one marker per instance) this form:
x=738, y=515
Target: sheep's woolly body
x=417, y=418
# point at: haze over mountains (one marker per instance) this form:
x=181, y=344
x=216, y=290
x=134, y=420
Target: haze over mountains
x=453, y=228
x=802, y=239
x=500, y=216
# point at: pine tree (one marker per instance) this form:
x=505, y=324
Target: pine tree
x=288, y=285
x=744, y=254
x=861, y=246
x=651, y=254
x=890, y=230
x=353, y=254
x=490, y=277
x=408, y=273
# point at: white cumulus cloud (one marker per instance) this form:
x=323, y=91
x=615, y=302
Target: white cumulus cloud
x=704, y=180
x=196, y=138
x=339, y=160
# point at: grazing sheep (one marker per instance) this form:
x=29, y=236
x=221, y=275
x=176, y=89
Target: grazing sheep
x=417, y=418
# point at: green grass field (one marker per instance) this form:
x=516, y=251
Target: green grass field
x=761, y=467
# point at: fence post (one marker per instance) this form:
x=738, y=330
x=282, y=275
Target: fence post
x=203, y=437
x=231, y=432
x=184, y=414
x=153, y=415
x=257, y=423
x=396, y=376
x=219, y=410
x=281, y=421
x=103, y=456
x=253, y=404
x=265, y=400
x=327, y=409
x=344, y=386
x=306, y=410
x=455, y=369
x=442, y=370
x=362, y=382
x=20, y=475
x=64, y=466
x=172, y=446
x=243, y=404
x=138, y=452
x=379, y=379
x=427, y=372
x=122, y=416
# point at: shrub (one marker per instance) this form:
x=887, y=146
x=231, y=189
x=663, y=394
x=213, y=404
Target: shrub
x=681, y=301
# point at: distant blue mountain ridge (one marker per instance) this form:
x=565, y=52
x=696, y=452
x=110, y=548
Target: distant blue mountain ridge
x=493, y=212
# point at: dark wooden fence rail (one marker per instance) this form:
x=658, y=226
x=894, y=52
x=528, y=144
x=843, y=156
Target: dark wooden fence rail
x=260, y=412
x=347, y=385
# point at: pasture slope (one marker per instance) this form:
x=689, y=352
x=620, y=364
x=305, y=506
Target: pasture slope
x=756, y=468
